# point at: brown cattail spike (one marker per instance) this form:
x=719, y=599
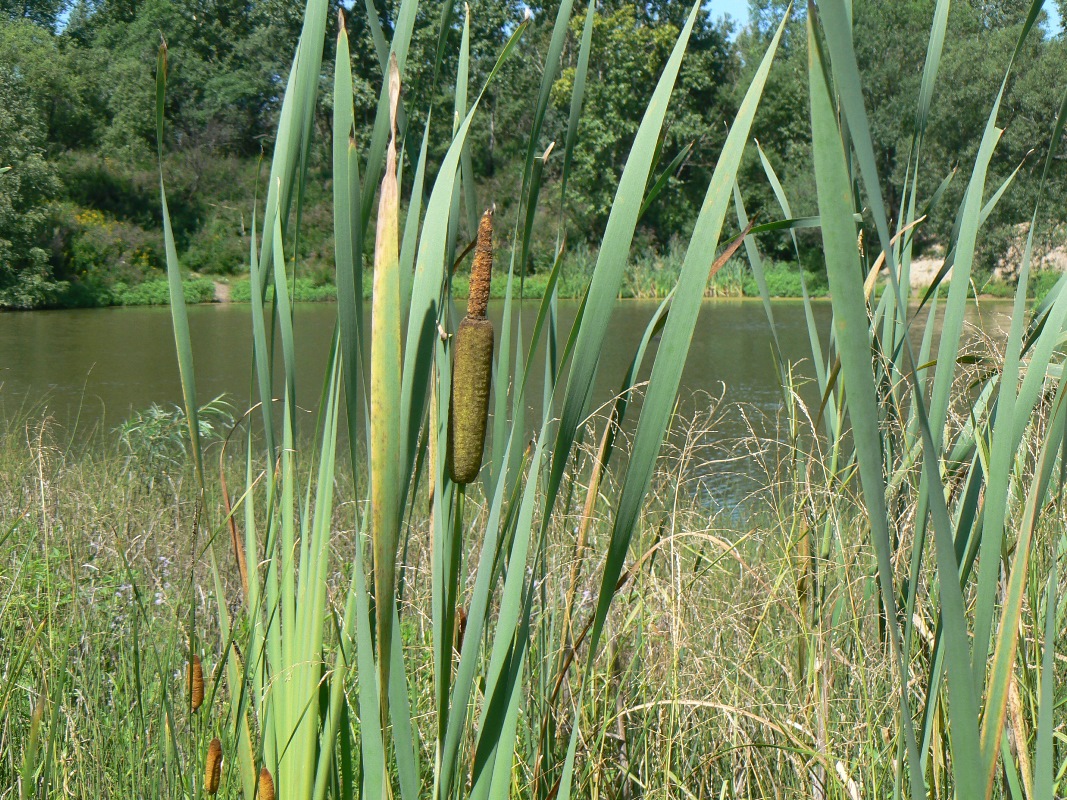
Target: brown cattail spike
x=482, y=270
x=196, y=682
x=213, y=767
x=472, y=374
x=266, y=785
x=472, y=369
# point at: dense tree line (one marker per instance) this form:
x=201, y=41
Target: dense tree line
x=79, y=206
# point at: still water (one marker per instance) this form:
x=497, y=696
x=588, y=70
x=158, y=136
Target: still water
x=89, y=369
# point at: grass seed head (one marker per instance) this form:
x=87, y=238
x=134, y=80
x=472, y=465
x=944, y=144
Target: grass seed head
x=482, y=269
x=213, y=767
x=266, y=785
x=196, y=682
x=472, y=373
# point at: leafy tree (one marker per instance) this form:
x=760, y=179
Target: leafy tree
x=45, y=13
x=56, y=81
x=630, y=49
x=780, y=125
x=25, y=190
x=890, y=41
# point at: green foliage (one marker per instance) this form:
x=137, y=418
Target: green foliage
x=103, y=249
x=914, y=514
x=86, y=95
x=156, y=443
x=303, y=290
x=1040, y=284
x=630, y=47
x=785, y=280
x=218, y=248
x=58, y=82
x=155, y=292
x=45, y=13
x=26, y=190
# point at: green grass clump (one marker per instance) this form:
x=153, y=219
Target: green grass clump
x=303, y=290
x=157, y=292
x=1041, y=283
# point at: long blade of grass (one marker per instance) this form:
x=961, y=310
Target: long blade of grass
x=1043, y=761
x=179, y=315
x=385, y=442
x=386, y=116
x=677, y=336
x=853, y=341
x=348, y=238
x=1008, y=634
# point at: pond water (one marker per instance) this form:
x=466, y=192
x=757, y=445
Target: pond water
x=89, y=369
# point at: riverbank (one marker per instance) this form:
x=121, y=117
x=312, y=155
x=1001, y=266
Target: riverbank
x=735, y=280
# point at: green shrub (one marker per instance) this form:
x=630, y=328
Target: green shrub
x=157, y=293
x=783, y=280
x=1002, y=289
x=103, y=248
x=1041, y=283
x=305, y=290
x=89, y=293
x=220, y=247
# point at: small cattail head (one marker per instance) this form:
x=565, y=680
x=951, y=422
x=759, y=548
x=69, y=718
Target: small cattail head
x=213, y=767
x=472, y=373
x=461, y=628
x=196, y=682
x=482, y=269
x=266, y=785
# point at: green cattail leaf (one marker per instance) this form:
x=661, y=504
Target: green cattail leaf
x=853, y=338
x=178, y=313
x=385, y=426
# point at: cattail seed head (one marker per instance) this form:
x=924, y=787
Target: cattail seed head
x=472, y=373
x=482, y=269
x=213, y=767
x=196, y=682
x=461, y=628
x=472, y=369
x=266, y=785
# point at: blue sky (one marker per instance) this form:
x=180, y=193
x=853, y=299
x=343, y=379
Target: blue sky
x=738, y=9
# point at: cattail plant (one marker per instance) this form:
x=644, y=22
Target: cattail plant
x=196, y=682
x=213, y=767
x=289, y=521
x=472, y=370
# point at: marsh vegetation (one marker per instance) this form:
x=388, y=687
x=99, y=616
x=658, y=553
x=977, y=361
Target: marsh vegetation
x=563, y=614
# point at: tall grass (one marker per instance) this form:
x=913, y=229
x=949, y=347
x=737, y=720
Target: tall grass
x=960, y=504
